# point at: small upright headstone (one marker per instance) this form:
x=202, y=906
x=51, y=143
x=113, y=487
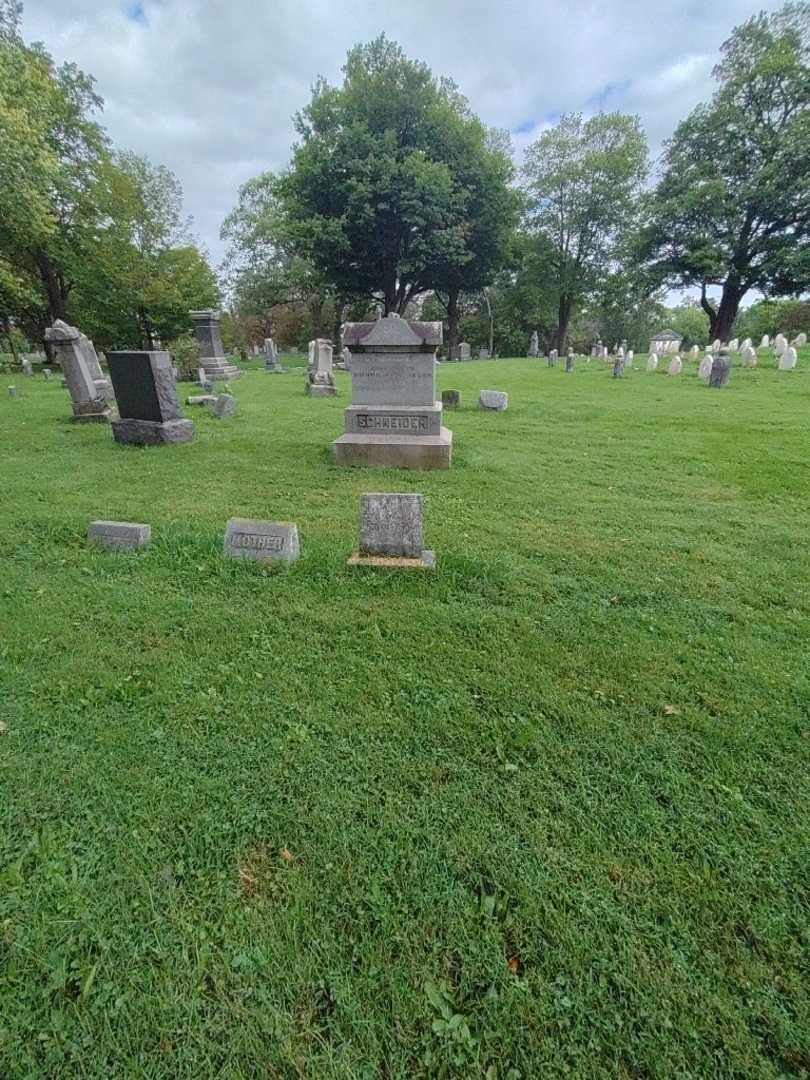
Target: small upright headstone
x=391, y=532
x=534, y=344
x=765, y=343
x=147, y=401
x=800, y=340
x=716, y=345
x=605, y=353
x=652, y=362
x=261, y=541
x=694, y=352
x=464, y=352
x=451, y=399
x=552, y=357
x=746, y=344
x=494, y=400
x=47, y=374
x=320, y=379
x=675, y=366
x=705, y=369
x=223, y=405
x=27, y=366
x=203, y=379
x=346, y=356
x=569, y=361
x=721, y=369
x=483, y=354
x=788, y=359
x=119, y=535
x=272, y=364
x=618, y=366
x=628, y=360
x=779, y=344
x=748, y=356
x=734, y=345
x=12, y=391
x=89, y=404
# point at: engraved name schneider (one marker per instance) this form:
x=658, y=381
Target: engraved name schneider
x=392, y=423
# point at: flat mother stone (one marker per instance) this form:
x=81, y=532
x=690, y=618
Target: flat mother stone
x=262, y=541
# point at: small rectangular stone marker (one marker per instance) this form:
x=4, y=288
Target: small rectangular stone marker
x=119, y=534
x=495, y=400
x=262, y=541
x=201, y=399
x=451, y=399
x=223, y=405
x=391, y=532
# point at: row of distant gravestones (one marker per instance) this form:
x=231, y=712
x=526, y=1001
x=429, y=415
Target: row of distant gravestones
x=390, y=535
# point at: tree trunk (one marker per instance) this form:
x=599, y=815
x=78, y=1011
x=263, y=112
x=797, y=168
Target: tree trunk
x=452, y=323
x=721, y=318
x=491, y=326
x=316, y=312
x=563, y=319
x=337, y=337
x=55, y=288
x=147, y=329
x=6, y=325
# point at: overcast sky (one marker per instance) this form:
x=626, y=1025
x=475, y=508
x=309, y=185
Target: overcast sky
x=209, y=88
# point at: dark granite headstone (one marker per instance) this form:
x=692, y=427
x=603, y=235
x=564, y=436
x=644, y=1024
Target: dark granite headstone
x=144, y=386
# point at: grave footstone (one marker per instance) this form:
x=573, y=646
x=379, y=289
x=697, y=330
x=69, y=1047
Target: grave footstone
x=119, y=535
x=209, y=341
x=261, y=541
x=320, y=378
x=391, y=532
x=394, y=420
x=451, y=399
x=223, y=405
x=147, y=401
x=89, y=404
x=493, y=400
x=721, y=369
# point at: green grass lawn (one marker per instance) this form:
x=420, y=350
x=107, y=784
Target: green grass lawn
x=542, y=812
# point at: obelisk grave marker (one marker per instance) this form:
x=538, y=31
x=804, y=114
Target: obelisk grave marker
x=394, y=420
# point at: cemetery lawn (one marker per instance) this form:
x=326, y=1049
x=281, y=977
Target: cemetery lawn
x=541, y=812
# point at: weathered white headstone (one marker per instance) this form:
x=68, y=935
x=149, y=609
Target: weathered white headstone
x=765, y=343
x=464, y=351
x=748, y=356
x=12, y=391
x=494, y=400
x=271, y=362
x=800, y=340
x=320, y=378
x=27, y=366
x=89, y=405
x=569, y=361
x=534, y=344
x=652, y=362
x=734, y=345
x=788, y=359
x=675, y=366
x=628, y=360
x=716, y=345
x=705, y=369
x=779, y=344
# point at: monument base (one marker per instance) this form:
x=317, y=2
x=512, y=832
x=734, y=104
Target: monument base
x=152, y=433
x=427, y=561
x=394, y=452
x=216, y=369
x=321, y=390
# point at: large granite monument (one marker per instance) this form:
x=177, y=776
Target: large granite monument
x=394, y=420
x=88, y=399
x=147, y=400
x=209, y=340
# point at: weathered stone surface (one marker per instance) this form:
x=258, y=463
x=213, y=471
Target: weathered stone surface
x=652, y=362
x=320, y=378
x=779, y=344
x=209, y=341
x=89, y=406
x=800, y=340
x=119, y=534
x=788, y=359
x=47, y=374
x=27, y=366
x=569, y=361
x=483, y=354
x=734, y=345
x=618, y=366
x=464, y=351
x=223, y=405
x=272, y=363
x=391, y=524
x=261, y=541
x=495, y=400
x=705, y=369
x=552, y=357
x=451, y=399
x=394, y=420
x=721, y=369
x=675, y=366
x=13, y=392
x=748, y=356
x=151, y=433
x=203, y=380
x=201, y=399
x=766, y=342
x=628, y=359
x=144, y=386
x=534, y=344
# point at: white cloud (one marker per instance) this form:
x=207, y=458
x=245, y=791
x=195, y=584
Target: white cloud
x=209, y=88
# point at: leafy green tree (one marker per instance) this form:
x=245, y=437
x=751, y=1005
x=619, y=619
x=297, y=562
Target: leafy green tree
x=376, y=198
x=732, y=209
x=583, y=179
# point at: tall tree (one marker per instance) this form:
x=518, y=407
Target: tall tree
x=583, y=179
x=372, y=195
x=732, y=209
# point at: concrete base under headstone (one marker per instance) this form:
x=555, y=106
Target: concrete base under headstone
x=152, y=433
x=377, y=451
x=427, y=561
x=321, y=390
x=91, y=412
